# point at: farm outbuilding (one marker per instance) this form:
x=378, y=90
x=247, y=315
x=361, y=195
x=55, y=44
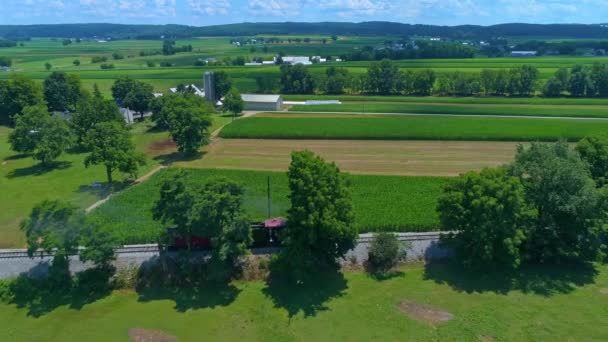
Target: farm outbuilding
x=262, y=102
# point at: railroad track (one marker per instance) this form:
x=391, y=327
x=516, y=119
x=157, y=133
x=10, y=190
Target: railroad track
x=153, y=248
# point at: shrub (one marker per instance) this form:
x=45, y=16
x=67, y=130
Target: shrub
x=99, y=59
x=384, y=252
x=107, y=66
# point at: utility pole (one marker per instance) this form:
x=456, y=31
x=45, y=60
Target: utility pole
x=268, y=196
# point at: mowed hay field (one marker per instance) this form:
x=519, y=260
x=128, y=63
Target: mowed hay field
x=390, y=203
x=410, y=127
x=406, y=158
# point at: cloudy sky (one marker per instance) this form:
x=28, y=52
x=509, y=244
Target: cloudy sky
x=209, y=12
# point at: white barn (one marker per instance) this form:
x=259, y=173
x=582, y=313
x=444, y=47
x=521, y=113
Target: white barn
x=262, y=102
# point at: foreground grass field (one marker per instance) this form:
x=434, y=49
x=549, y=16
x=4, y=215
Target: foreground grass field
x=385, y=127
x=534, y=305
x=477, y=109
x=405, y=158
x=380, y=202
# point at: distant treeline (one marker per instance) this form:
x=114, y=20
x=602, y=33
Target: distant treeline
x=7, y=43
x=385, y=78
x=422, y=49
x=118, y=31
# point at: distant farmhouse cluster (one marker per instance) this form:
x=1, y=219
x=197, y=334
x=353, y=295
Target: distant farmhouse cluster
x=292, y=60
x=252, y=101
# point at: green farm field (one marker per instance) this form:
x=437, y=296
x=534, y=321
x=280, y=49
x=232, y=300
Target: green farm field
x=415, y=127
x=380, y=202
x=536, y=304
x=31, y=58
x=471, y=109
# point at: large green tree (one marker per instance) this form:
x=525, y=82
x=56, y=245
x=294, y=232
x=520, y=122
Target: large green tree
x=489, y=212
x=594, y=150
x=112, y=146
x=335, y=80
x=139, y=98
x=62, y=91
x=188, y=123
x=568, y=207
x=223, y=84
x=382, y=77
x=214, y=210
x=60, y=228
x=296, y=79
x=320, y=219
x=37, y=132
x=91, y=111
x=16, y=93
x=233, y=102
x=121, y=87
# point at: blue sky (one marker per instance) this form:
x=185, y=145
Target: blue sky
x=209, y=12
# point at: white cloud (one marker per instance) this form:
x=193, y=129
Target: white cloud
x=357, y=7
x=275, y=8
x=128, y=8
x=209, y=7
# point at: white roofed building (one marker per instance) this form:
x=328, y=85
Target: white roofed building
x=262, y=102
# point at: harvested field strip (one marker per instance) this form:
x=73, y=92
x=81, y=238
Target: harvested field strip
x=389, y=203
x=407, y=158
x=385, y=127
x=579, y=111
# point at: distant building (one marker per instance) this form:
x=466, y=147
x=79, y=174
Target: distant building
x=295, y=60
x=262, y=102
x=523, y=53
x=195, y=89
x=5, y=68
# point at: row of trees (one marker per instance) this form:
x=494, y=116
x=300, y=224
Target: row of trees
x=385, y=78
x=548, y=206
x=418, y=50
x=95, y=126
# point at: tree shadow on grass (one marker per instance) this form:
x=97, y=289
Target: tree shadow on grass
x=309, y=297
x=383, y=276
x=16, y=157
x=42, y=295
x=39, y=169
x=102, y=190
x=545, y=280
x=179, y=156
x=188, y=289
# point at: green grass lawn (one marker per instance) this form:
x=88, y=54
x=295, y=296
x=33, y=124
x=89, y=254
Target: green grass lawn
x=343, y=126
x=459, y=109
x=537, y=304
x=380, y=202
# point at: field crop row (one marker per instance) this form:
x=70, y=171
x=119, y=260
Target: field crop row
x=390, y=203
x=385, y=127
x=457, y=109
